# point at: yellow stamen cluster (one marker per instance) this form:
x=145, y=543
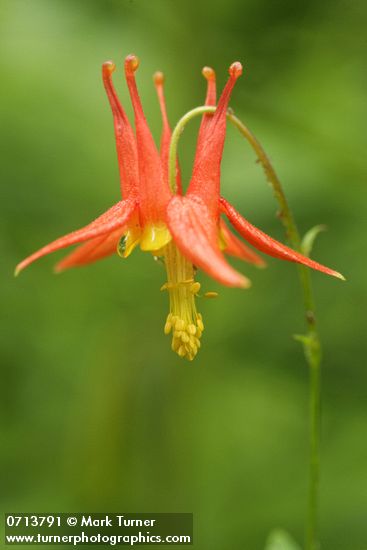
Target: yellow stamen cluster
x=185, y=337
x=183, y=320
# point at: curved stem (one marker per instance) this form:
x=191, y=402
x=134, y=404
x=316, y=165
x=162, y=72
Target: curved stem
x=180, y=126
x=311, y=342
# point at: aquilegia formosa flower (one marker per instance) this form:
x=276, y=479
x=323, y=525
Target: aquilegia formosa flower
x=186, y=230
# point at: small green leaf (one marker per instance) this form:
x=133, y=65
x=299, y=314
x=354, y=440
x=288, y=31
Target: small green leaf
x=305, y=340
x=309, y=238
x=281, y=540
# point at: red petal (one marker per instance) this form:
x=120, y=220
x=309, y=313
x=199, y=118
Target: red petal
x=91, y=251
x=266, y=244
x=125, y=138
x=205, y=181
x=158, y=79
x=154, y=191
x=114, y=218
x=196, y=235
x=235, y=247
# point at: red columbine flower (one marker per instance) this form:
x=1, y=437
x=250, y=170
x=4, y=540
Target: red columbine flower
x=187, y=231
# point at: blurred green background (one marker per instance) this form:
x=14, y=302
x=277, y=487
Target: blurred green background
x=97, y=413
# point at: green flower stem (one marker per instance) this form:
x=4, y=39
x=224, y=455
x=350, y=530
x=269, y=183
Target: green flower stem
x=176, y=134
x=311, y=341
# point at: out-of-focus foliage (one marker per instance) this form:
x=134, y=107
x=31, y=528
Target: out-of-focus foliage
x=280, y=540
x=97, y=413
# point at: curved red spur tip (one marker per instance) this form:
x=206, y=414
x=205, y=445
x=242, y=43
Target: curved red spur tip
x=131, y=63
x=208, y=73
x=235, y=70
x=211, y=90
x=158, y=78
x=108, y=67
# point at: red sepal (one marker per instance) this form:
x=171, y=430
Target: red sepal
x=91, y=251
x=235, y=247
x=266, y=244
x=116, y=217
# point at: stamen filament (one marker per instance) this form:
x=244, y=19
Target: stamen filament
x=185, y=323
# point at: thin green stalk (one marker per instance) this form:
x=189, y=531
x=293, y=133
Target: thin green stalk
x=311, y=341
x=176, y=134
